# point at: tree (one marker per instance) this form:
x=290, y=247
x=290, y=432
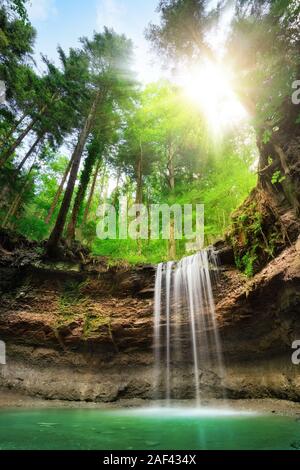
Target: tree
x=16, y=46
x=58, y=192
x=136, y=154
x=99, y=165
x=51, y=104
x=104, y=137
x=266, y=39
x=18, y=7
x=178, y=133
x=263, y=47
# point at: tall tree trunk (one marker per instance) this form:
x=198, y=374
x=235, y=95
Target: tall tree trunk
x=4, y=195
x=84, y=182
x=13, y=210
x=171, y=181
x=103, y=186
x=29, y=153
x=5, y=188
x=116, y=190
x=57, y=232
x=91, y=195
x=18, y=200
x=58, y=192
x=15, y=127
x=139, y=178
x=139, y=189
x=7, y=153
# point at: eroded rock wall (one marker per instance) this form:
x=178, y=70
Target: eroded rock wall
x=85, y=334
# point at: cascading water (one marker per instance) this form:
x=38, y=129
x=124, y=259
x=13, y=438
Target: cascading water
x=185, y=328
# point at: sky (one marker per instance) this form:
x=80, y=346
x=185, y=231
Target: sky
x=62, y=22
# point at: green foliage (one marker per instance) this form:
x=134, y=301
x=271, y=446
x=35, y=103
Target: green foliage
x=153, y=146
x=221, y=189
x=263, y=51
x=255, y=234
x=248, y=224
x=19, y=6
x=267, y=137
x=154, y=251
x=182, y=30
x=262, y=48
x=72, y=302
x=277, y=177
x=71, y=294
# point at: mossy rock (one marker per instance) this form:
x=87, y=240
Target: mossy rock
x=256, y=234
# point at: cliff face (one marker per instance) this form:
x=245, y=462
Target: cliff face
x=259, y=321
x=83, y=331
x=268, y=220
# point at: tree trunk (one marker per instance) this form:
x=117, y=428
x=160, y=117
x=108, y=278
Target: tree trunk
x=58, y=192
x=171, y=169
x=139, y=189
x=15, y=127
x=171, y=181
x=30, y=151
x=17, y=201
x=5, y=189
x=91, y=195
x=103, y=186
x=116, y=190
x=139, y=179
x=172, y=242
x=85, y=179
x=7, y=154
x=57, y=232
x=13, y=210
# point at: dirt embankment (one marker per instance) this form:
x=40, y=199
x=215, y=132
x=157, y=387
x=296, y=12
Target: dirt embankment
x=80, y=330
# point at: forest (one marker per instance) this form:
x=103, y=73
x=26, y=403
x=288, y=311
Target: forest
x=111, y=341
x=86, y=132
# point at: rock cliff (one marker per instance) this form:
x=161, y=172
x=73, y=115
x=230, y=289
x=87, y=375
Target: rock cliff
x=81, y=330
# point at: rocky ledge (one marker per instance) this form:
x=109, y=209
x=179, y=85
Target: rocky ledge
x=80, y=330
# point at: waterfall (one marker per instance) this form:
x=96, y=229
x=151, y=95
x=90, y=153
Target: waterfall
x=186, y=335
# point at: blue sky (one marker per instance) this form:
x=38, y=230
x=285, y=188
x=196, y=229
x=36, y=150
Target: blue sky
x=64, y=21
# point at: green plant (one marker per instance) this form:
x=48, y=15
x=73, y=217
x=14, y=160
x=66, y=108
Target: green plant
x=277, y=177
x=72, y=301
x=267, y=136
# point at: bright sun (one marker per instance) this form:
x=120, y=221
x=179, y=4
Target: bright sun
x=209, y=86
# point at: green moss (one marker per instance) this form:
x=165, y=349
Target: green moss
x=255, y=235
x=277, y=177
x=247, y=264
x=72, y=301
x=75, y=304
x=93, y=322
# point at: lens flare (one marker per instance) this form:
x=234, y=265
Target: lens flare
x=209, y=86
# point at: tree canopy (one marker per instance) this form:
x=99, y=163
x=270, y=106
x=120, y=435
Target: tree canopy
x=85, y=132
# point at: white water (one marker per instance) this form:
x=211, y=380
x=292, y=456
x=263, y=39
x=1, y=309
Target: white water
x=184, y=412
x=185, y=327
